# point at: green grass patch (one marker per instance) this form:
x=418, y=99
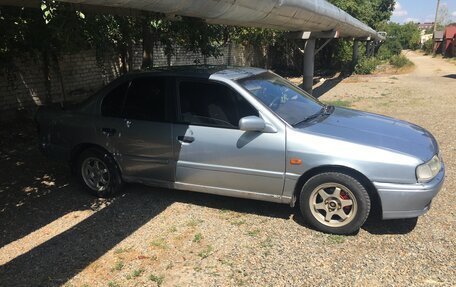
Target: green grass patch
x=158, y=279
x=267, y=243
x=336, y=239
x=118, y=266
x=206, y=252
x=159, y=243
x=113, y=284
x=238, y=222
x=194, y=222
x=121, y=250
x=339, y=103
x=197, y=237
x=137, y=273
x=253, y=233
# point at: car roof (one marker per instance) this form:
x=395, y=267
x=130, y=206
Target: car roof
x=199, y=71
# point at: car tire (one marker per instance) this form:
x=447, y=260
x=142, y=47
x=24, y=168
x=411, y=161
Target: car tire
x=98, y=173
x=335, y=203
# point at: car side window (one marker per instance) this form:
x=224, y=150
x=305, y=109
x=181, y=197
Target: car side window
x=212, y=104
x=113, y=102
x=146, y=100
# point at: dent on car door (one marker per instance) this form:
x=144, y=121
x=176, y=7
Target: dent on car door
x=212, y=154
x=143, y=143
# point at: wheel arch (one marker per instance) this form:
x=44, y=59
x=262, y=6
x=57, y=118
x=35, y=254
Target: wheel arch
x=376, y=204
x=79, y=148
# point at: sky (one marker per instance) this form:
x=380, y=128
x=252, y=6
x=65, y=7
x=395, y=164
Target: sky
x=421, y=10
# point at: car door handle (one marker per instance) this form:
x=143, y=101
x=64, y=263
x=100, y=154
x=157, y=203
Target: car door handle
x=185, y=139
x=108, y=131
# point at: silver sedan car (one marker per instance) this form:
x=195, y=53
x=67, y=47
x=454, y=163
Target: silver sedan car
x=246, y=132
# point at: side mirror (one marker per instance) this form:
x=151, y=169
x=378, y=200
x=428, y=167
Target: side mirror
x=255, y=124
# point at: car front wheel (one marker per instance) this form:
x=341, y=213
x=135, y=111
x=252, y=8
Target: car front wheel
x=335, y=203
x=98, y=173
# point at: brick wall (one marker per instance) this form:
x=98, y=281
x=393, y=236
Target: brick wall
x=23, y=89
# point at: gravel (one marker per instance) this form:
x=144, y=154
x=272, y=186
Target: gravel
x=52, y=233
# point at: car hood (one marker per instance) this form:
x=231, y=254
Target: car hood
x=376, y=131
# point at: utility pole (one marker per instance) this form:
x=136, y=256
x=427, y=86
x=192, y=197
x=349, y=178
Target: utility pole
x=436, y=15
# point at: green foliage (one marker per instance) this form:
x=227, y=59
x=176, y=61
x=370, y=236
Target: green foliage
x=366, y=65
x=428, y=46
x=408, y=35
x=45, y=32
x=375, y=13
x=391, y=47
x=400, y=61
x=371, y=12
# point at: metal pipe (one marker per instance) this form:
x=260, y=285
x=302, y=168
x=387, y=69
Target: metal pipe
x=289, y=15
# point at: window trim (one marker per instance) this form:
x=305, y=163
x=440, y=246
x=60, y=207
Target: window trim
x=178, y=113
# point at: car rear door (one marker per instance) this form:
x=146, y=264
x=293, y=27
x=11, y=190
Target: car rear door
x=213, y=155
x=144, y=142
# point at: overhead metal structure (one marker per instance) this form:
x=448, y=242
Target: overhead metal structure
x=307, y=20
x=289, y=15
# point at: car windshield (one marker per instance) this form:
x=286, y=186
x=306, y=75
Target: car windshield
x=289, y=102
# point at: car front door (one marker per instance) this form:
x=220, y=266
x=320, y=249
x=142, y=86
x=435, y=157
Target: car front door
x=213, y=155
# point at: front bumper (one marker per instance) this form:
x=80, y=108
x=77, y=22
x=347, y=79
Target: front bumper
x=408, y=200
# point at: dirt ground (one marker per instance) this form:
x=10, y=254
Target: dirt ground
x=52, y=233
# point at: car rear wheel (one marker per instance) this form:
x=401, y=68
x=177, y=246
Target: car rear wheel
x=335, y=203
x=98, y=173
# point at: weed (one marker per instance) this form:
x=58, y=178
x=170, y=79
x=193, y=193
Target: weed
x=137, y=273
x=197, y=237
x=339, y=103
x=113, y=284
x=336, y=238
x=194, y=222
x=253, y=233
x=267, y=243
x=206, y=252
x=159, y=243
x=157, y=279
x=394, y=78
x=238, y=222
x=172, y=229
x=119, y=265
x=226, y=262
x=121, y=250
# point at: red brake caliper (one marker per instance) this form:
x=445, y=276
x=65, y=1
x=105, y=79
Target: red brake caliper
x=344, y=196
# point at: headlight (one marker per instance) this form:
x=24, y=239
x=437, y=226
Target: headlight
x=428, y=170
